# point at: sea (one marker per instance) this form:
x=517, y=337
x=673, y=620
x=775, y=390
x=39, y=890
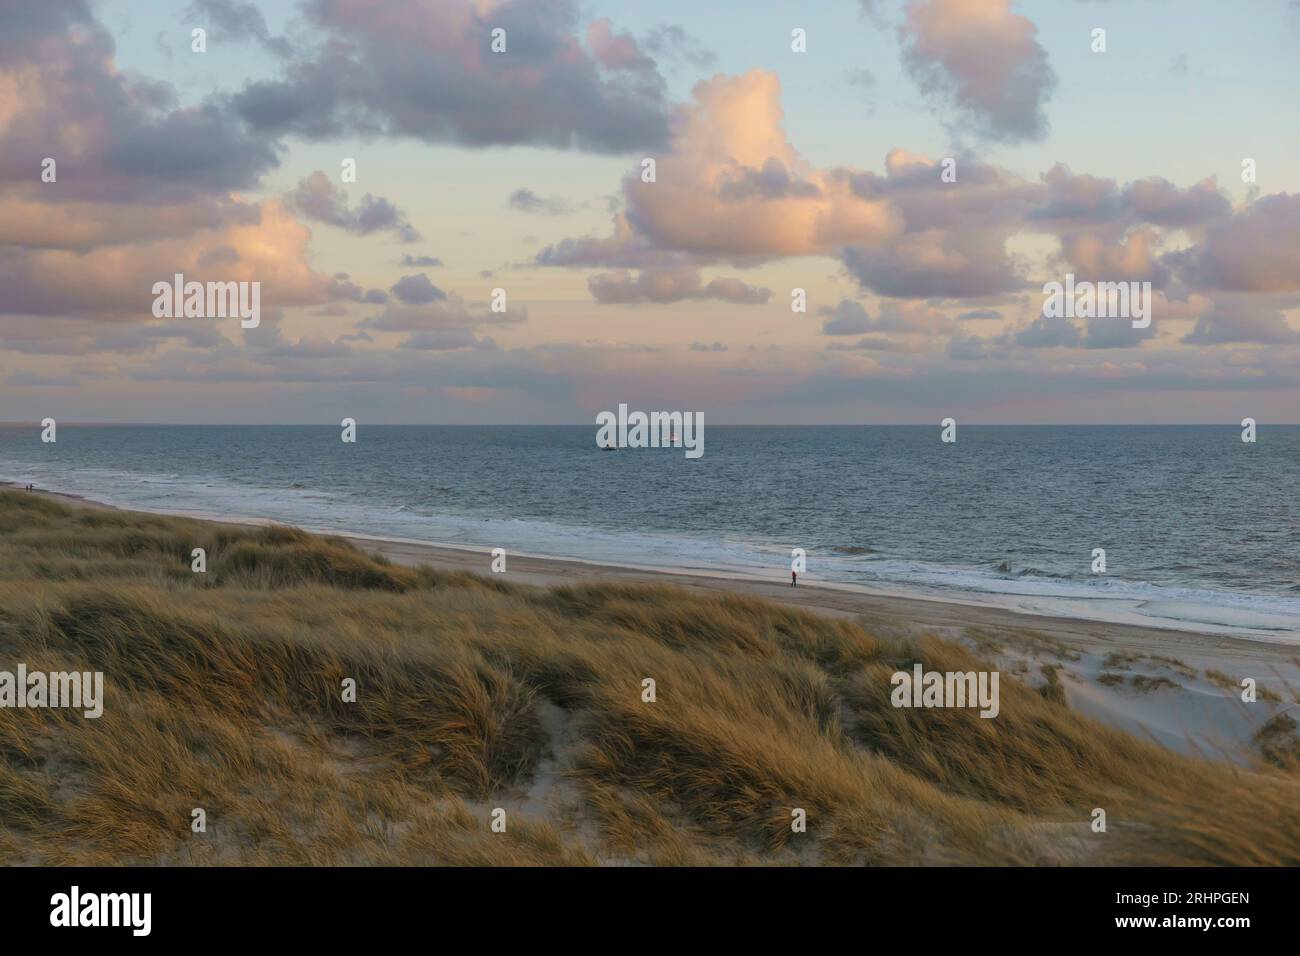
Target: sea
x=1200, y=529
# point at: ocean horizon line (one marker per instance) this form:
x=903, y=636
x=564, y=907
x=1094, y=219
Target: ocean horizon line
x=71, y=423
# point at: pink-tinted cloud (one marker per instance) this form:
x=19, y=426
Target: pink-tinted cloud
x=732, y=186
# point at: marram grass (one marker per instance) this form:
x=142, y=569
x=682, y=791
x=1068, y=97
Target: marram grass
x=224, y=693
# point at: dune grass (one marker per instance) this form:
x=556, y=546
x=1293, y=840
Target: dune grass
x=223, y=691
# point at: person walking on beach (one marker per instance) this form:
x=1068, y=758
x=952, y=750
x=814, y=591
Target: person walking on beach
x=794, y=577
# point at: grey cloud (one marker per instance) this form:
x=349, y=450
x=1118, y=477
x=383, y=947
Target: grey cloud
x=417, y=290
x=316, y=197
x=1245, y=319
x=984, y=61
x=773, y=181
x=954, y=245
x=427, y=71
x=1160, y=202
x=846, y=318
x=525, y=200
x=910, y=317
x=965, y=348
x=445, y=313
x=1048, y=333
x=116, y=136
x=1111, y=333
x=231, y=20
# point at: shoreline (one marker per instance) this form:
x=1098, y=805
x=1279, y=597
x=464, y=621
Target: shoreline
x=825, y=596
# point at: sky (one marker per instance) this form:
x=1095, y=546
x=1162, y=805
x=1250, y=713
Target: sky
x=795, y=147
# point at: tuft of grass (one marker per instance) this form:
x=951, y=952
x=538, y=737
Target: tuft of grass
x=1278, y=740
x=1146, y=684
x=1052, y=688
x=224, y=692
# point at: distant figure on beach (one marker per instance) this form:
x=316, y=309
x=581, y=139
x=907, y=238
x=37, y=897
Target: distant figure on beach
x=794, y=578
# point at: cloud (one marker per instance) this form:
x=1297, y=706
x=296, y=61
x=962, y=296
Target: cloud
x=431, y=310
x=1131, y=257
x=1244, y=318
x=1046, y=332
x=417, y=290
x=416, y=262
x=525, y=200
x=984, y=60
x=1112, y=333
x=1098, y=333
x=145, y=189
x=671, y=285
x=617, y=51
x=316, y=197
x=231, y=20
x=1108, y=232
x=1255, y=250
x=846, y=318
x=113, y=281
x=773, y=181
x=36, y=220
x=624, y=248
x=1160, y=202
x=115, y=135
x=442, y=340
x=967, y=348
x=954, y=241
x=730, y=187
x=59, y=336
x=672, y=42
x=426, y=70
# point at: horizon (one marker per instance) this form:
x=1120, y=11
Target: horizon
x=382, y=424
x=855, y=213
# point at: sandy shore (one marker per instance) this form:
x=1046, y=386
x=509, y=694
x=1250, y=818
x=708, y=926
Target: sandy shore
x=1179, y=687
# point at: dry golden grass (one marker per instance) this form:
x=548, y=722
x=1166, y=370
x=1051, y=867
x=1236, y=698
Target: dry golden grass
x=223, y=692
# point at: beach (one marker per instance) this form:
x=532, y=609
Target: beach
x=1179, y=687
